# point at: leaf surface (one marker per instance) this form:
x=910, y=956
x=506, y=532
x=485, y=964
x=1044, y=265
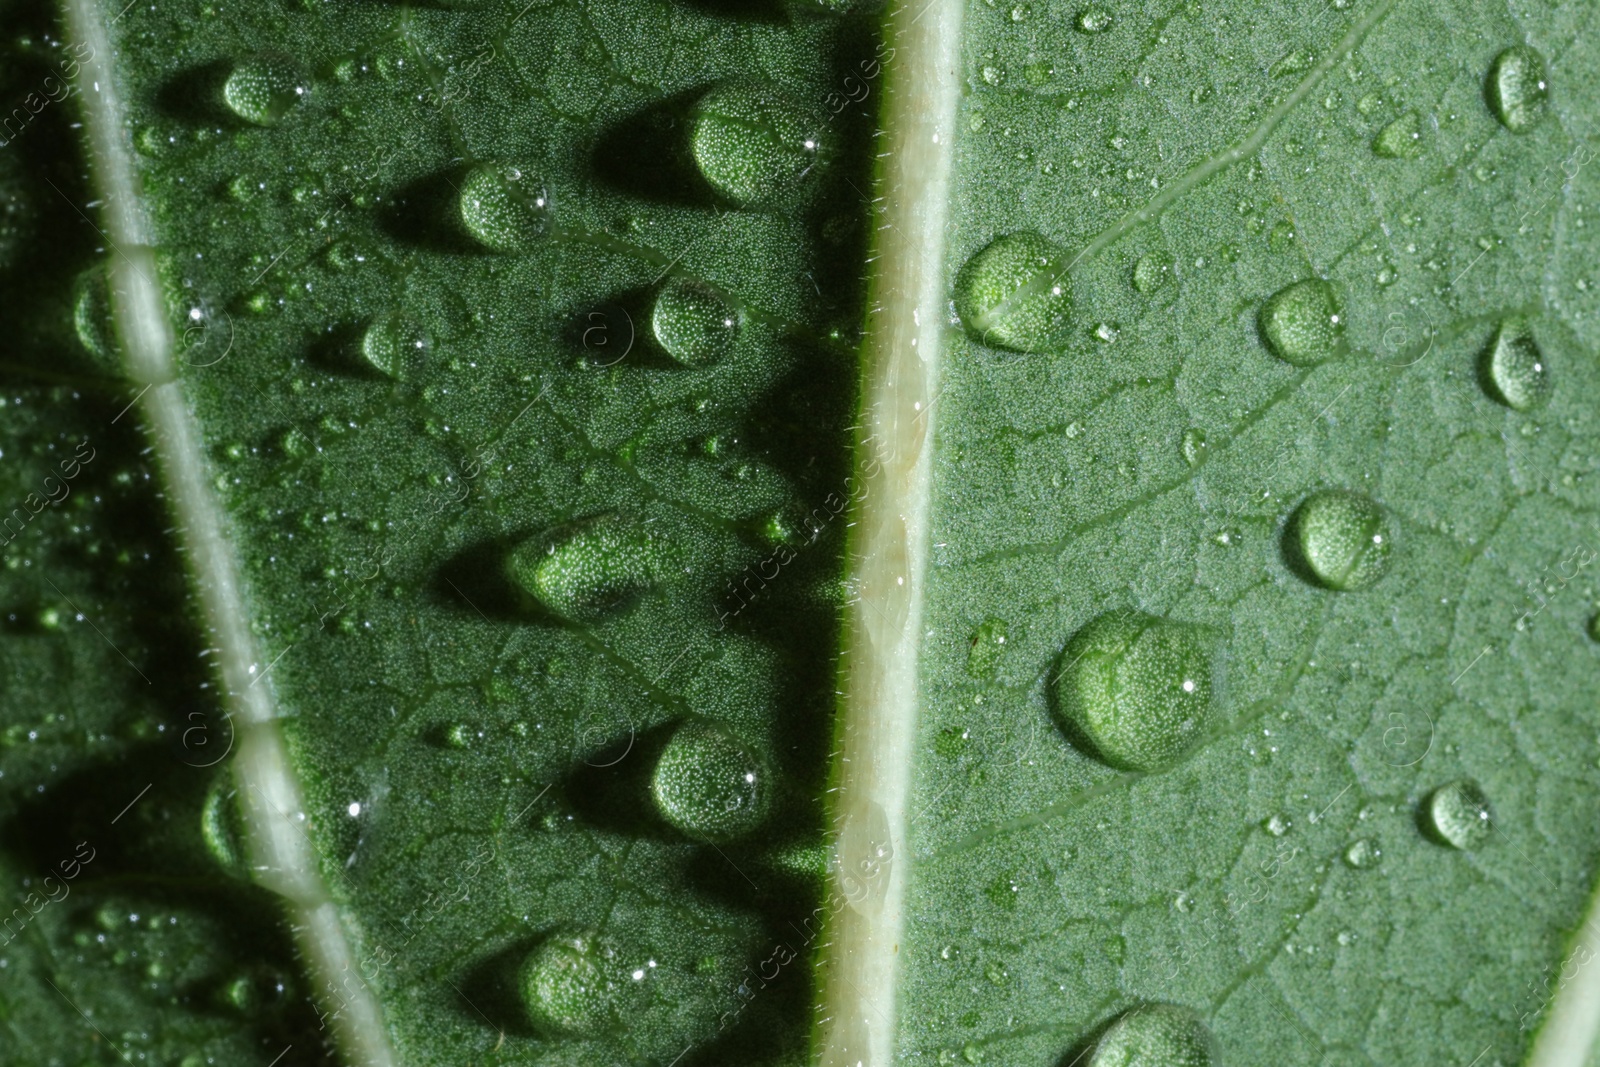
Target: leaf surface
x=544, y=376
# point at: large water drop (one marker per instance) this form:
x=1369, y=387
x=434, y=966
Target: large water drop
x=1458, y=815
x=693, y=323
x=1341, y=540
x=1512, y=369
x=397, y=345
x=261, y=91
x=503, y=208
x=710, y=785
x=751, y=143
x=584, y=569
x=567, y=986
x=1301, y=323
x=1013, y=294
x=1516, y=88
x=1135, y=689
x=1400, y=139
x=1155, y=1035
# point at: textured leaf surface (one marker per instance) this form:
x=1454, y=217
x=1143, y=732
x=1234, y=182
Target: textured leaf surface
x=526, y=374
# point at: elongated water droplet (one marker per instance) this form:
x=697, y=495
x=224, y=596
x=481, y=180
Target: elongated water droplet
x=584, y=569
x=567, y=985
x=1401, y=139
x=1458, y=815
x=1155, y=1035
x=1013, y=294
x=1512, y=369
x=503, y=208
x=709, y=784
x=1362, y=853
x=1340, y=540
x=221, y=826
x=988, y=646
x=1194, y=446
x=693, y=323
x=261, y=91
x=91, y=317
x=1135, y=690
x=751, y=143
x=397, y=345
x=1301, y=323
x=1517, y=88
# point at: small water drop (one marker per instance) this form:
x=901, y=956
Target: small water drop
x=397, y=345
x=261, y=91
x=1194, y=446
x=1150, y=273
x=1281, y=237
x=1301, y=323
x=1400, y=139
x=1458, y=815
x=1013, y=294
x=502, y=207
x=709, y=785
x=567, y=986
x=1094, y=20
x=1362, y=853
x=584, y=569
x=1134, y=689
x=988, y=646
x=693, y=323
x=1340, y=540
x=1512, y=370
x=1517, y=88
x=752, y=143
x=1277, y=825
x=1155, y=1035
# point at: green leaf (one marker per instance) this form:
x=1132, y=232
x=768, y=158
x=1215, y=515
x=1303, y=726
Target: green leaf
x=672, y=532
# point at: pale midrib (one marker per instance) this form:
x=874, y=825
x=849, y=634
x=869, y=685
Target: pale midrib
x=280, y=854
x=1572, y=1023
x=889, y=536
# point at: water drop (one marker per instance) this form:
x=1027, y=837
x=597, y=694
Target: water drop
x=567, y=987
x=988, y=646
x=1277, y=825
x=1013, y=294
x=709, y=785
x=1516, y=88
x=1362, y=854
x=261, y=91
x=1340, y=540
x=1155, y=1035
x=221, y=825
x=751, y=143
x=584, y=569
x=1150, y=273
x=1194, y=446
x=1458, y=815
x=1134, y=689
x=1301, y=323
x=1094, y=20
x=1281, y=237
x=693, y=323
x=397, y=345
x=91, y=316
x=1401, y=139
x=1512, y=369
x=502, y=207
